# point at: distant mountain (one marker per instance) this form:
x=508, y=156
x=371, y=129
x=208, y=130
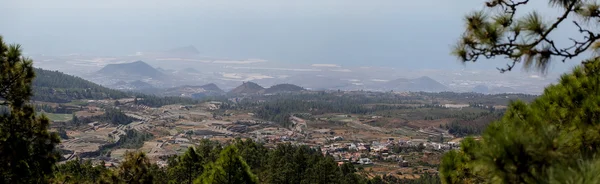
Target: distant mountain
x=55, y=86
x=317, y=82
x=246, y=88
x=212, y=87
x=138, y=68
x=120, y=83
x=481, y=89
x=502, y=89
x=190, y=70
x=424, y=83
x=163, y=70
x=279, y=88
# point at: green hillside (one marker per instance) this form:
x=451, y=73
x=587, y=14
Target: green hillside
x=283, y=88
x=55, y=86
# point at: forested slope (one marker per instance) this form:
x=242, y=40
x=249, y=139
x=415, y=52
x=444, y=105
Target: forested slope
x=55, y=86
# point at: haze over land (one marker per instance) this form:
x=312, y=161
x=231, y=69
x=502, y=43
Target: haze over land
x=348, y=45
x=344, y=45
x=313, y=91
x=167, y=70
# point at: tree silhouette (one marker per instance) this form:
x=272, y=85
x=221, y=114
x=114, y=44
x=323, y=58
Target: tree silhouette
x=558, y=132
x=27, y=149
x=136, y=169
x=187, y=167
x=230, y=168
x=528, y=39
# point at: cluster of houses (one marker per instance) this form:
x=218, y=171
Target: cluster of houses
x=362, y=153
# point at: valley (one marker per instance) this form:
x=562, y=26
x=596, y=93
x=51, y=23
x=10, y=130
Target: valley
x=386, y=132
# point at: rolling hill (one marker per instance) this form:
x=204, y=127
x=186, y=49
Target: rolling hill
x=424, y=83
x=481, y=89
x=317, y=82
x=246, y=88
x=212, y=87
x=279, y=88
x=138, y=68
x=190, y=70
x=55, y=86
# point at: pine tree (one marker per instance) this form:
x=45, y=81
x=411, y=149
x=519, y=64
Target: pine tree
x=526, y=37
x=136, y=169
x=27, y=149
x=553, y=139
x=230, y=168
x=187, y=167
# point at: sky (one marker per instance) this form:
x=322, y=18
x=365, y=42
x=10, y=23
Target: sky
x=388, y=33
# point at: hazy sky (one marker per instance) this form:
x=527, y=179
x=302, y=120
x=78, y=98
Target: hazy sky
x=394, y=33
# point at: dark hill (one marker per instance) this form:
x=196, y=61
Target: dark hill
x=424, y=83
x=120, y=83
x=317, y=82
x=138, y=68
x=246, y=88
x=190, y=70
x=55, y=86
x=481, y=89
x=283, y=88
x=212, y=87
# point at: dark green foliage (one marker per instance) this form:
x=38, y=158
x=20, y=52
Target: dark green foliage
x=526, y=37
x=255, y=154
x=283, y=88
x=553, y=139
x=229, y=168
x=300, y=164
x=133, y=139
x=116, y=116
x=62, y=134
x=79, y=171
x=190, y=165
x=185, y=168
x=243, y=161
x=554, y=131
x=55, y=86
x=27, y=149
x=136, y=168
x=278, y=108
x=349, y=175
x=480, y=99
x=424, y=179
x=472, y=125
